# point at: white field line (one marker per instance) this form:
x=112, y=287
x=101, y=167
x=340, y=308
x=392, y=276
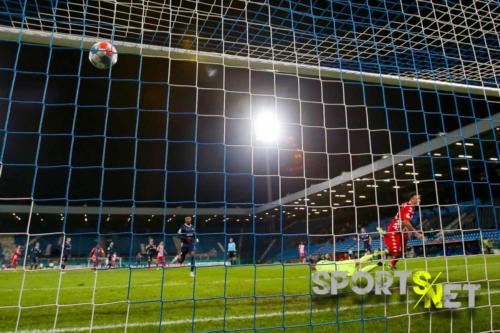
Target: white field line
x=167, y=283
x=189, y=319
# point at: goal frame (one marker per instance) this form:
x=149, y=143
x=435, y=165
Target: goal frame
x=67, y=40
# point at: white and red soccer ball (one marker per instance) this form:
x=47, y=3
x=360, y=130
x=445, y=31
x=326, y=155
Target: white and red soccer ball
x=103, y=55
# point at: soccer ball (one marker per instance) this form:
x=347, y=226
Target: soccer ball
x=103, y=55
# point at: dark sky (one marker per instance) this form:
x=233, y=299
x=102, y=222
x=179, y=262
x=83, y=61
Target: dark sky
x=156, y=132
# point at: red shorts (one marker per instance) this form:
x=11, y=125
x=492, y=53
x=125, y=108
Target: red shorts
x=396, y=242
x=159, y=259
x=13, y=261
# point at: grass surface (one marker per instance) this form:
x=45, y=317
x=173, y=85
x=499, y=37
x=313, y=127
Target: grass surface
x=265, y=297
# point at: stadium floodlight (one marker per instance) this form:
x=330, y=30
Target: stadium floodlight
x=266, y=127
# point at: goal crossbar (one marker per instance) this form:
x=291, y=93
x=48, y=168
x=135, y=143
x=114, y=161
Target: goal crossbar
x=67, y=40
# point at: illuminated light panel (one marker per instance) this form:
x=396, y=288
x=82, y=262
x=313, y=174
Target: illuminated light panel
x=266, y=127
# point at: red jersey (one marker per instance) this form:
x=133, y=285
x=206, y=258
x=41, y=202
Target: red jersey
x=302, y=249
x=160, y=250
x=406, y=212
x=15, y=254
x=96, y=251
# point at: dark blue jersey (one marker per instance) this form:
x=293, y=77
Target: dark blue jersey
x=109, y=251
x=66, y=248
x=150, y=250
x=365, y=238
x=35, y=252
x=187, y=234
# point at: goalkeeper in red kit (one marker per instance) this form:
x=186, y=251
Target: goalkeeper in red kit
x=396, y=237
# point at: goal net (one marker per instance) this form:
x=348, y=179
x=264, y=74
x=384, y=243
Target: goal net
x=293, y=133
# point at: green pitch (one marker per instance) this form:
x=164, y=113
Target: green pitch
x=245, y=298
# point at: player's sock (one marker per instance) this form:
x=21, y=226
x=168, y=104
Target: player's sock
x=393, y=263
x=192, y=263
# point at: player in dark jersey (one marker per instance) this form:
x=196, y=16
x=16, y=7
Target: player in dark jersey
x=35, y=253
x=66, y=252
x=396, y=237
x=366, y=239
x=109, y=254
x=188, y=238
x=150, y=251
